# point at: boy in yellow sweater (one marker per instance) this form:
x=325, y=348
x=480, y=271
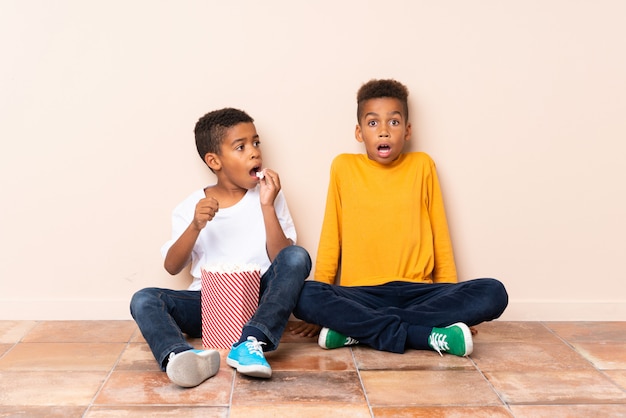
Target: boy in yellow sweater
x=385, y=240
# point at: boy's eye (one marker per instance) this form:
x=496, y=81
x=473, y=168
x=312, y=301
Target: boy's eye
x=371, y=123
x=257, y=143
x=395, y=122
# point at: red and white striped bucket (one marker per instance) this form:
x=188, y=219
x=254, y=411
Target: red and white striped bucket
x=230, y=296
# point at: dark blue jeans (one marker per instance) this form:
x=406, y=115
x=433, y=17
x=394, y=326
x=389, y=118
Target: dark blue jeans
x=382, y=316
x=164, y=315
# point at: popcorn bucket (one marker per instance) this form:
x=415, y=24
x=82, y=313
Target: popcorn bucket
x=229, y=298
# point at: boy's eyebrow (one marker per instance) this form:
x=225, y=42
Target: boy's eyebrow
x=236, y=140
x=392, y=113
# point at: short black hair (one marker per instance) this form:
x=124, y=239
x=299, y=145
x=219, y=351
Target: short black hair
x=210, y=128
x=375, y=89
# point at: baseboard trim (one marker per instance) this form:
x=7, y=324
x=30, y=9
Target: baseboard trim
x=52, y=310
x=558, y=310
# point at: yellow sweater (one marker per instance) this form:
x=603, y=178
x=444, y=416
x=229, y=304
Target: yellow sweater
x=384, y=223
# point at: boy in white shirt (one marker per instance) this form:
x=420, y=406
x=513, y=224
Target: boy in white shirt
x=242, y=219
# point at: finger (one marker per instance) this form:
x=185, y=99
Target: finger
x=271, y=174
x=268, y=177
x=209, y=207
x=210, y=201
x=296, y=329
x=273, y=181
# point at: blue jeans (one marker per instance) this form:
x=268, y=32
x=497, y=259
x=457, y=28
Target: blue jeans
x=164, y=315
x=384, y=316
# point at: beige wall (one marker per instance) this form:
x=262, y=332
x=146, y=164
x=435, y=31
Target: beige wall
x=521, y=104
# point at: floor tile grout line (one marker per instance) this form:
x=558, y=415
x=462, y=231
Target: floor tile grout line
x=13, y=345
x=108, y=376
x=610, y=380
x=232, y=391
x=358, y=373
x=491, y=386
x=20, y=340
x=354, y=355
x=36, y=323
x=571, y=347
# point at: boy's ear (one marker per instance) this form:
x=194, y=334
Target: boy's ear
x=407, y=133
x=213, y=161
x=357, y=133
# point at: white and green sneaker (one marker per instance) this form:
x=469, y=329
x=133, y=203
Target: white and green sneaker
x=330, y=339
x=455, y=339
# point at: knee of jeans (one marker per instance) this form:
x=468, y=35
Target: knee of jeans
x=140, y=299
x=499, y=295
x=297, y=256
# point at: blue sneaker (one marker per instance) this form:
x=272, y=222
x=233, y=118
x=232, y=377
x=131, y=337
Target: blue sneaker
x=192, y=367
x=247, y=357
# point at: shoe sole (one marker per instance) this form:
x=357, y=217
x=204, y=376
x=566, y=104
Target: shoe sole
x=467, y=335
x=189, y=369
x=321, y=340
x=255, y=370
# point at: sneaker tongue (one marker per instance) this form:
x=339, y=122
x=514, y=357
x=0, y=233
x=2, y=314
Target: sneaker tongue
x=254, y=346
x=438, y=342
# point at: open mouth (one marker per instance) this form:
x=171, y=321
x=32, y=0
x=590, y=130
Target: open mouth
x=384, y=150
x=256, y=172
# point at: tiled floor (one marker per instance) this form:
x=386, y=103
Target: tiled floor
x=518, y=369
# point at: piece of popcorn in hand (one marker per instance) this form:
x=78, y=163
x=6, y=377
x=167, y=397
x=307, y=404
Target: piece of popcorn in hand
x=260, y=175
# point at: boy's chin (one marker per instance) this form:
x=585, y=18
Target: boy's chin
x=383, y=160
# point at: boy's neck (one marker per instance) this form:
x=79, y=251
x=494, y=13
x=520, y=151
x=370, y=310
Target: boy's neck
x=226, y=195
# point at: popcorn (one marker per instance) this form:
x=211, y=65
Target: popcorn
x=229, y=268
x=229, y=298
x=260, y=175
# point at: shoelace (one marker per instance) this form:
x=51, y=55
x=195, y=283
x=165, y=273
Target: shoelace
x=438, y=342
x=254, y=346
x=351, y=341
